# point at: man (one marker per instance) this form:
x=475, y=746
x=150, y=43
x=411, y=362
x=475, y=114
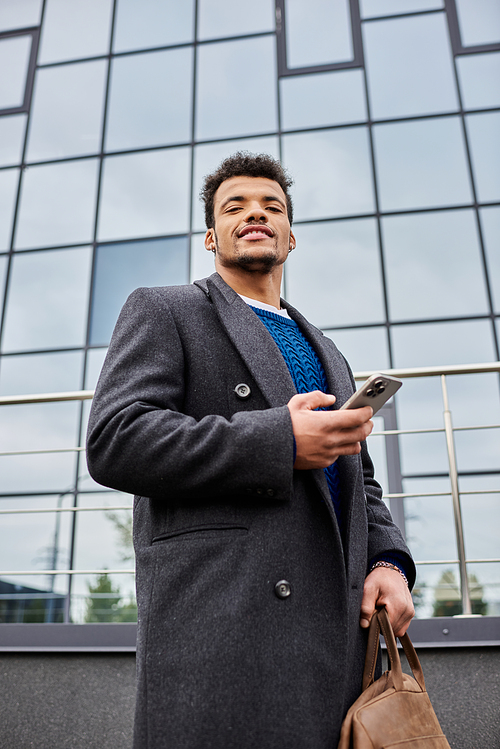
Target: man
x=256, y=519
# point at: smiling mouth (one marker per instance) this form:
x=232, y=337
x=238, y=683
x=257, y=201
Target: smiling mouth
x=255, y=232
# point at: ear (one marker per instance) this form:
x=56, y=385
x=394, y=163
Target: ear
x=210, y=240
x=293, y=241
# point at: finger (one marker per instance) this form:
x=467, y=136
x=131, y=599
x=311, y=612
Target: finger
x=367, y=607
x=311, y=401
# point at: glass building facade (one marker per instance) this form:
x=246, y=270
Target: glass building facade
x=387, y=115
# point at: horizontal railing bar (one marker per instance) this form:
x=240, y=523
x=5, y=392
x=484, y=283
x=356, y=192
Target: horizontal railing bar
x=402, y=495
x=29, y=573
x=44, y=452
x=10, y=400
x=75, y=395
x=451, y=561
x=451, y=369
x=31, y=510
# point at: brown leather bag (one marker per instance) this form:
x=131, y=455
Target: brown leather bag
x=395, y=711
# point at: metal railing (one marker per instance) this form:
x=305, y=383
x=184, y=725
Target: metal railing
x=448, y=429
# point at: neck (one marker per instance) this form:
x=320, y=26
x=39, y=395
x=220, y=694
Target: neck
x=263, y=287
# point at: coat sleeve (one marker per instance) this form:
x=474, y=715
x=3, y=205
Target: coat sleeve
x=139, y=440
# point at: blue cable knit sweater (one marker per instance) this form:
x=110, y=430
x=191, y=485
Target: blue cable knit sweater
x=308, y=374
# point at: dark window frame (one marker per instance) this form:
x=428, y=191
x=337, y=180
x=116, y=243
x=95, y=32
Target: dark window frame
x=34, y=32
x=455, y=37
x=357, y=44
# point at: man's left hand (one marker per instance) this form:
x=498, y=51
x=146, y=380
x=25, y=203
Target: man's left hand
x=386, y=587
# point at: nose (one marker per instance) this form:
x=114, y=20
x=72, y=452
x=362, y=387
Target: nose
x=255, y=213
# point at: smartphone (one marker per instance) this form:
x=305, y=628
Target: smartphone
x=374, y=392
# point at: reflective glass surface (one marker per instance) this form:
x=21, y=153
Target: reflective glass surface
x=442, y=343
x=8, y=191
x=11, y=138
x=490, y=223
x=332, y=172
x=150, y=99
x=145, y=194
x=481, y=516
x=207, y=158
x=372, y=8
x=479, y=21
x=333, y=275
x=47, y=300
x=66, y=113
x=14, y=59
x=483, y=130
x=121, y=268
x=409, y=66
x=429, y=521
x=57, y=204
x=421, y=164
x=38, y=427
x=95, y=360
x=152, y=23
x=219, y=18
x=202, y=261
x=479, y=80
x=244, y=99
x=41, y=373
x=74, y=29
x=322, y=99
x=364, y=348
x=19, y=15
x=433, y=265
x=318, y=32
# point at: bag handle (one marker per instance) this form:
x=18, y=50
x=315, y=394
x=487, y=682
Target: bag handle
x=380, y=621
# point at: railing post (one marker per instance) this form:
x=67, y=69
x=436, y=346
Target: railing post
x=457, y=510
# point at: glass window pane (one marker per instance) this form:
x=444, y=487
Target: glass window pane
x=219, y=18
x=442, y=343
x=485, y=587
x=42, y=426
x=364, y=348
x=332, y=172
x=207, y=158
x=371, y=8
x=152, y=23
x=57, y=204
x=12, y=138
x=479, y=21
x=121, y=268
x=490, y=222
x=145, y=194
x=479, y=80
x=150, y=99
x=202, y=261
x=475, y=401
x=318, y=32
x=481, y=516
x=66, y=113
x=16, y=15
x=41, y=373
x=409, y=66
x=483, y=130
x=429, y=520
x=421, y=164
x=433, y=265
x=14, y=60
x=244, y=69
x=47, y=300
x=36, y=541
x=333, y=276
x=8, y=193
x=322, y=99
x=75, y=29
x=95, y=360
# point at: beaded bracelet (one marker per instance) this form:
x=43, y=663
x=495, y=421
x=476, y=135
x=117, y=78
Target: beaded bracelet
x=390, y=566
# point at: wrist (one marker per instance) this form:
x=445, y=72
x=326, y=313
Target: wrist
x=390, y=566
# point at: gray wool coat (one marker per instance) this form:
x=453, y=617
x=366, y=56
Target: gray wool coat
x=227, y=660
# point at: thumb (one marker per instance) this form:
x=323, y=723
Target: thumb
x=311, y=401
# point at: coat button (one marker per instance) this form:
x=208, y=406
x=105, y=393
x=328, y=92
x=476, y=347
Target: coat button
x=270, y=492
x=283, y=589
x=242, y=390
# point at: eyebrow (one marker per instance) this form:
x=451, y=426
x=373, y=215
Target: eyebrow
x=241, y=199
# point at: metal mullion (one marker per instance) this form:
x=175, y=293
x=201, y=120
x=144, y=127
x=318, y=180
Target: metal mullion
x=428, y=12
x=193, y=134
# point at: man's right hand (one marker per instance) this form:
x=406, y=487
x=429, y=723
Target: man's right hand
x=321, y=436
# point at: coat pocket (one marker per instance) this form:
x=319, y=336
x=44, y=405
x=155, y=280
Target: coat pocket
x=194, y=532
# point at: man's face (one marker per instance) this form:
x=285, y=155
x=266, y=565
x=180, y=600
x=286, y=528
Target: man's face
x=252, y=231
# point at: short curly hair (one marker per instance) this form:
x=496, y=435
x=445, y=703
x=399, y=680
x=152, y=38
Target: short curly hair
x=245, y=164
